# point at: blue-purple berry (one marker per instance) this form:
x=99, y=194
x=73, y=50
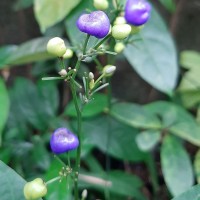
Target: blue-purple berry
x=137, y=12
x=63, y=140
x=96, y=24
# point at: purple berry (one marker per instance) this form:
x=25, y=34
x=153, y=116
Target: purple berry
x=62, y=140
x=96, y=24
x=137, y=12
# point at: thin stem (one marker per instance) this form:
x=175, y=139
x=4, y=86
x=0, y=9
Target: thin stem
x=85, y=44
x=53, y=180
x=78, y=155
x=101, y=42
x=78, y=63
x=68, y=159
x=62, y=65
x=109, y=98
x=100, y=77
x=60, y=161
x=99, y=65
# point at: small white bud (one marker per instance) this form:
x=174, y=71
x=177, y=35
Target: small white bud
x=108, y=70
x=91, y=76
x=84, y=194
x=63, y=72
x=56, y=46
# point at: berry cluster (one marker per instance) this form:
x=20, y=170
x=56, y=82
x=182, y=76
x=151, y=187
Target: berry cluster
x=128, y=21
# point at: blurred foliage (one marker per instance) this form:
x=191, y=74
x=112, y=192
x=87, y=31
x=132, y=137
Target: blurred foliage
x=130, y=133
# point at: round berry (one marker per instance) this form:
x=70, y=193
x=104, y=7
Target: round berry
x=68, y=54
x=137, y=12
x=35, y=189
x=121, y=31
x=100, y=4
x=120, y=20
x=62, y=140
x=119, y=47
x=56, y=46
x=96, y=24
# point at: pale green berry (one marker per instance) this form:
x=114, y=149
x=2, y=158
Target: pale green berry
x=63, y=72
x=101, y=4
x=121, y=31
x=68, y=54
x=119, y=47
x=136, y=29
x=109, y=70
x=119, y=20
x=56, y=46
x=35, y=189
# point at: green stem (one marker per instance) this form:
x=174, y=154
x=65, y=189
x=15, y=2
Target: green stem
x=68, y=159
x=53, y=180
x=101, y=42
x=85, y=44
x=62, y=65
x=99, y=65
x=78, y=155
x=109, y=98
x=78, y=63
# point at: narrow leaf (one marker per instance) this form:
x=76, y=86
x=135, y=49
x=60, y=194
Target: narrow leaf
x=4, y=106
x=197, y=166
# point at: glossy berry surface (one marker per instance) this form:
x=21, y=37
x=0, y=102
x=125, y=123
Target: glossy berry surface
x=56, y=46
x=137, y=12
x=62, y=140
x=121, y=31
x=96, y=24
x=35, y=189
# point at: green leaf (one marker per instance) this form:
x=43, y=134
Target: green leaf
x=134, y=115
x=39, y=155
x=32, y=105
x=191, y=194
x=177, y=120
x=112, y=137
x=5, y=52
x=31, y=51
x=119, y=183
x=93, y=108
x=188, y=99
x=11, y=184
x=190, y=59
x=49, y=12
x=176, y=166
x=147, y=140
x=197, y=166
x=169, y=5
x=154, y=56
x=4, y=107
